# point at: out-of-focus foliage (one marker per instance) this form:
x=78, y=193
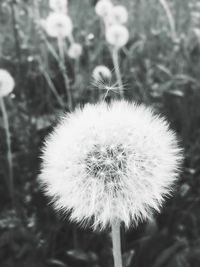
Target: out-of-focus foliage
x=160, y=66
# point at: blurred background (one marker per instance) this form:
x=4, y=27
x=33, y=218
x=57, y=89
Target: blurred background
x=43, y=73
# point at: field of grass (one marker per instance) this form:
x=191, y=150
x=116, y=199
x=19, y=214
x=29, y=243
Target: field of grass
x=159, y=66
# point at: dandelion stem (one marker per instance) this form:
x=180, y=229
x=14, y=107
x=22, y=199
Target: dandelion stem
x=116, y=241
x=170, y=17
x=50, y=83
x=115, y=58
x=9, y=151
x=16, y=34
x=64, y=72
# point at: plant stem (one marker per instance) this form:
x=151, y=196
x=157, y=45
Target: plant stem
x=16, y=35
x=64, y=72
x=50, y=83
x=9, y=151
x=44, y=66
x=170, y=17
x=116, y=241
x=115, y=58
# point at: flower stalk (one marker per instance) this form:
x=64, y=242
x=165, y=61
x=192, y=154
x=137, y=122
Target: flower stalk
x=64, y=71
x=9, y=151
x=115, y=58
x=116, y=241
x=169, y=15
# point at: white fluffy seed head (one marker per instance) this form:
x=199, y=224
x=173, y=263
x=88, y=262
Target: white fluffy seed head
x=120, y=14
x=75, y=50
x=117, y=35
x=59, y=6
x=7, y=83
x=104, y=8
x=110, y=162
x=101, y=72
x=58, y=25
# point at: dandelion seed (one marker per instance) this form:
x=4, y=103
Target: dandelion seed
x=58, y=25
x=7, y=83
x=101, y=72
x=75, y=50
x=103, y=8
x=107, y=86
x=117, y=35
x=59, y=6
x=130, y=162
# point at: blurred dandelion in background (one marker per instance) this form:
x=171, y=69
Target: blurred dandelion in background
x=60, y=6
x=107, y=164
x=102, y=77
x=120, y=14
x=104, y=8
x=58, y=25
x=75, y=50
x=101, y=72
x=116, y=33
x=7, y=85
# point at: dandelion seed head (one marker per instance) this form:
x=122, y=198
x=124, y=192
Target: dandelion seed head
x=7, y=83
x=58, y=25
x=106, y=161
x=110, y=162
x=75, y=50
x=117, y=35
x=104, y=8
x=59, y=6
x=101, y=72
x=120, y=14
x=109, y=21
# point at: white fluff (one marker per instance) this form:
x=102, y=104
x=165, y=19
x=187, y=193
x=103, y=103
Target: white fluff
x=101, y=72
x=7, y=83
x=107, y=162
x=59, y=6
x=75, y=50
x=117, y=35
x=120, y=14
x=58, y=25
x=103, y=8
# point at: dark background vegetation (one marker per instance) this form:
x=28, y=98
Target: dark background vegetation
x=157, y=69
